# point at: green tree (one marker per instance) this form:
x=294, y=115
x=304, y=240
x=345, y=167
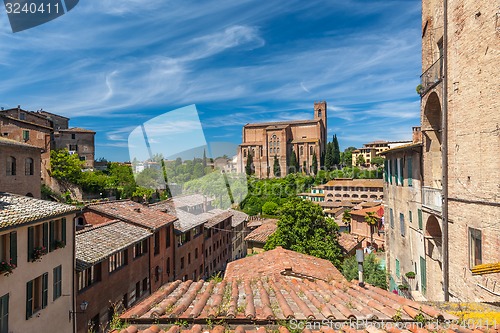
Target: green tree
x=346, y=156
x=373, y=273
x=360, y=160
x=204, y=159
x=372, y=221
x=293, y=163
x=302, y=227
x=270, y=208
x=335, y=151
x=314, y=166
x=64, y=166
x=276, y=167
x=346, y=217
x=329, y=157
x=249, y=166
x=378, y=161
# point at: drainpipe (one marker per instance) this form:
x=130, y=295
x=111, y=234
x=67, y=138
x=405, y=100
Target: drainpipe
x=444, y=153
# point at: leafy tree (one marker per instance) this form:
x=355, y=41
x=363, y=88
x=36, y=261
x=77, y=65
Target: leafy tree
x=276, y=167
x=328, y=157
x=346, y=217
x=293, y=163
x=360, y=160
x=302, y=227
x=314, y=166
x=204, y=159
x=378, y=161
x=270, y=208
x=335, y=151
x=64, y=166
x=372, y=221
x=249, y=167
x=372, y=272
x=304, y=167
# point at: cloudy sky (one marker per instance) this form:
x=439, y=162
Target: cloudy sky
x=113, y=65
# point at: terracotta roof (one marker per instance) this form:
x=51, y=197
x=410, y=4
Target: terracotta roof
x=219, y=215
x=238, y=218
x=276, y=123
x=25, y=121
x=95, y=244
x=9, y=142
x=133, y=212
x=356, y=182
x=310, y=140
x=262, y=233
x=257, y=222
x=272, y=127
x=349, y=242
x=17, y=209
x=326, y=327
x=402, y=147
x=273, y=299
x=76, y=129
x=190, y=200
x=284, y=262
x=362, y=212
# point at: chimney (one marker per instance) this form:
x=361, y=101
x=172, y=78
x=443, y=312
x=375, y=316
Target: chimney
x=417, y=134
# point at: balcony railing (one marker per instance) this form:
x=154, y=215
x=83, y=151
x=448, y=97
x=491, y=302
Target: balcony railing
x=432, y=198
x=431, y=77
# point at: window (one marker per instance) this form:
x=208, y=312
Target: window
x=201, y=269
x=157, y=243
x=57, y=234
x=22, y=116
x=73, y=136
x=189, y=258
x=26, y=135
x=475, y=248
x=311, y=150
x=8, y=248
x=401, y=178
x=28, y=167
x=73, y=147
x=410, y=216
x=145, y=285
x=184, y=238
x=83, y=158
x=420, y=220
x=182, y=262
x=38, y=241
x=398, y=273
x=141, y=248
x=386, y=170
x=57, y=285
x=168, y=266
x=36, y=294
x=11, y=166
x=391, y=218
x=138, y=290
x=117, y=260
x=410, y=171
x=196, y=231
x=89, y=276
x=4, y=314
x=301, y=150
x=196, y=253
x=402, y=223
x=168, y=236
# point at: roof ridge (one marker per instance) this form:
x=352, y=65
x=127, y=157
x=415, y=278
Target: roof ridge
x=98, y=226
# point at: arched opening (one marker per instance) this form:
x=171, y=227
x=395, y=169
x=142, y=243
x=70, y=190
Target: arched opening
x=364, y=196
x=355, y=196
x=433, y=236
x=431, y=128
x=433, y=264
x=11, y=166
x=346, y=195
x=373, y=196
x=29, y=167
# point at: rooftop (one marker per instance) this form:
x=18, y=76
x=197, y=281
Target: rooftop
x=191, y=200
x=133, y=212
x=278, y=123
x=378, y=210
x=355, y=182
x=262, y=233
x=282, y=262
x=238, y=217
x=95, y=244
x=76, y=129
x=17, y=209
x=9, y=142
x=349, y=242
x=257, y=222
x=401, y=148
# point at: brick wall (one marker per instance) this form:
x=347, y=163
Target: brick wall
x=20, y=183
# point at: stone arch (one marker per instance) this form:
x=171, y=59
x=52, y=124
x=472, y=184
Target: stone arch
x=355, y=196
x=29, y=194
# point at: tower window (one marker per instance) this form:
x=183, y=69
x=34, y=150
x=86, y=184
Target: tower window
x=319, y=113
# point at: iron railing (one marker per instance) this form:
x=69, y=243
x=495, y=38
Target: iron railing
x=432, y=198
x=431, y=77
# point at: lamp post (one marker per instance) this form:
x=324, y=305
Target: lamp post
x=83, y=307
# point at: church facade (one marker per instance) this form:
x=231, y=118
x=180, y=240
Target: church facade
x=270, y=140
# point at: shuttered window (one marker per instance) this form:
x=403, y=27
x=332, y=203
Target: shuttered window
x=410, y=171
x=420, y=221
x=4, y=314
x=57, y=285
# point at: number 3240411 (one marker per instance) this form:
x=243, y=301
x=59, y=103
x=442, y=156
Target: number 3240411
x=31, y=8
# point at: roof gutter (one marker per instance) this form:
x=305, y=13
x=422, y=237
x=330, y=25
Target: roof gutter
x=444, y=152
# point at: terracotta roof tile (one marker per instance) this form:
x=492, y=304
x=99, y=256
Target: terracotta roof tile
x=282, y=261
x=76, y=129
x=349, y=242
x=10, y=142
x=355, y=182
x=262, y=233
x=277, y=123
x=129, y=211
x=273, y=299
x=362, y=212
x=95, y=244
x=238, y=217
x=17, y=209
x=257, y=222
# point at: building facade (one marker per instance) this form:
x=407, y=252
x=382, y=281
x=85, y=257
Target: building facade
x=36, y=279
x=78, y=141
x=20, y=168
x=459, y=113
x=266, y=142
x=359, y=227
x=373, y=149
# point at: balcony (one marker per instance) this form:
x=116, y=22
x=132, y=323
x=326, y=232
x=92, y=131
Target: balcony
x=431, y=77
x=432, y=198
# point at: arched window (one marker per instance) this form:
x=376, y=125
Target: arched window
x=301, y=150
x=319, y=113
x=11, y=166
x=244, y=153
x=28, y=167
x=168, y=266
x=311, y=150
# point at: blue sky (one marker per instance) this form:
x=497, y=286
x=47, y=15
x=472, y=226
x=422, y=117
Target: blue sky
x=112, y=65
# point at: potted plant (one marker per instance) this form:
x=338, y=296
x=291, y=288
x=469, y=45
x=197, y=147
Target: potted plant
x=410, y=275
x=59, y=244
x=38, y=252
x=420, y=89
x=6, y=267
x=403, y=287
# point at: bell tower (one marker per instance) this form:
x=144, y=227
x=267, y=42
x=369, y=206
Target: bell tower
x=320, y=113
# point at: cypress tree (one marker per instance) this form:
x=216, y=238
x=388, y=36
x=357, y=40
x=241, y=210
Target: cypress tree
x=336, y=151
x=204, y=159
x=276, y=167
x=314, y=164
x=293, y=163
x=249, y=167
x=328, y=157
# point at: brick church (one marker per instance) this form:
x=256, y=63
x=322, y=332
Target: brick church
x=264, y=141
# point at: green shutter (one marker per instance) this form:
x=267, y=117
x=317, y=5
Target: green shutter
x=31, y=245
x=13, y=247
x=51, y=236
x=46, y=236
x=386, y=170
x=57, y=285
x=420, y=222
x=45, y=290
x=393, y=170
x=401, y=177
x=4, y=314
x=398, y=272
x=63, y=230
x=29, y=299
x=423, y=276
x=410, y=171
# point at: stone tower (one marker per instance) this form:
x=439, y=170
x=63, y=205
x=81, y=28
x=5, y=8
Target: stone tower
x=320, y=111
